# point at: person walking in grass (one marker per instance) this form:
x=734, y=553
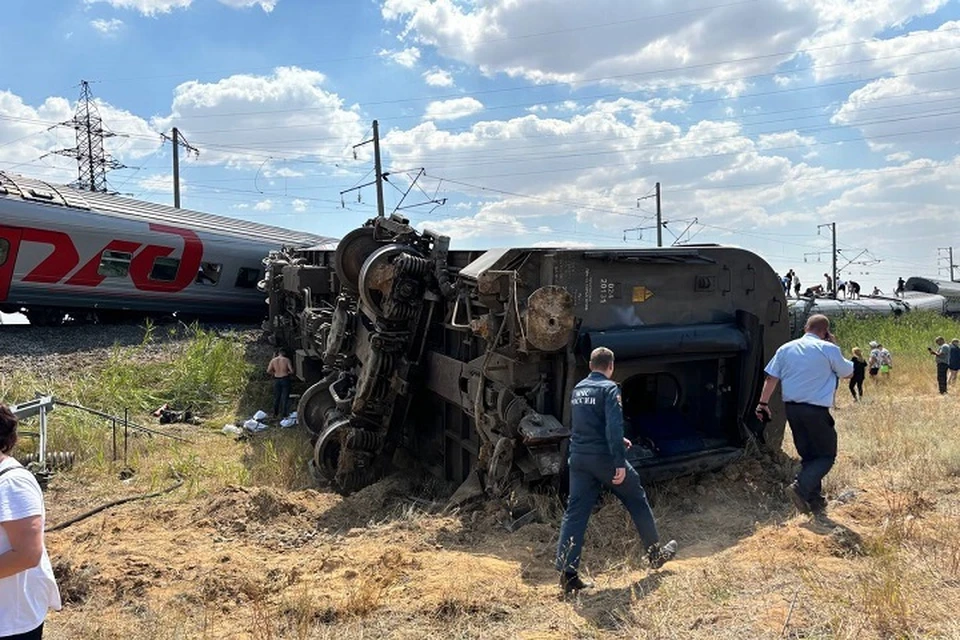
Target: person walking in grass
x=885, y=358
x=598, y=461
x=953, y=363
x=942, y=354
x=859, y=374
x=873, y=363
x=808, y=369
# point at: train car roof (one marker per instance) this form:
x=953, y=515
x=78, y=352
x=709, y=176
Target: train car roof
x=120, y=207
x=933, y=285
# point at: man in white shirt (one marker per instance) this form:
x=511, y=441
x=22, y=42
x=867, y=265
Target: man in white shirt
x=808, y=368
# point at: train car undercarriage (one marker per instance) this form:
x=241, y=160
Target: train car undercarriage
x=467, y=358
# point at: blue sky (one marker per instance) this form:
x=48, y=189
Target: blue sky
x=536, y=121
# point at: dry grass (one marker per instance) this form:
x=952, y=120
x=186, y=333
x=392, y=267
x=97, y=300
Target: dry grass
x=248, y=550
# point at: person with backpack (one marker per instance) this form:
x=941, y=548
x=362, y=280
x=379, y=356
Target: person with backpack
x=953, y=362
x=28, y=588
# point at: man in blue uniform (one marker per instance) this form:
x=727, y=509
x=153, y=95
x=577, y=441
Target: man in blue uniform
x=808, y=368
x=598, y=461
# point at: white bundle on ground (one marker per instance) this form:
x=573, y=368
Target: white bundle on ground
x=254, y=426
x=229, y=429
x=260, y=415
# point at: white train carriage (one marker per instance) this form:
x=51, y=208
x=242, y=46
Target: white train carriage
x=99, y=257
x=950, y=291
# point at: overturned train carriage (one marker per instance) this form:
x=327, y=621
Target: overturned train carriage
x=468, y=358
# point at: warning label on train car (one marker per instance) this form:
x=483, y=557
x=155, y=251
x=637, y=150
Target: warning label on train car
x=641, y=294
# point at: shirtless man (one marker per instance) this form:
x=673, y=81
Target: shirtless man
x=281, y=369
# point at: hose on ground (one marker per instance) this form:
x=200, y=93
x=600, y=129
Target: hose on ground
x=115, y=503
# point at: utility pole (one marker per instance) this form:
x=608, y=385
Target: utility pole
x=377, y=169
x=177, y=139
x=945, y=254
x=92, y=160
x=833, y=234
x=660, y=222
x=659, y=219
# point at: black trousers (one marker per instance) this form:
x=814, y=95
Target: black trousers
x=856, y=388
x=942, y=376
x=281, y=396
x=36, y=634
x=815, y=438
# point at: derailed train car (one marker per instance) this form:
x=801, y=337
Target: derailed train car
x=921, y=294
x=468, y=358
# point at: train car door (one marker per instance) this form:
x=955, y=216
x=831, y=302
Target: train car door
x=9, y=246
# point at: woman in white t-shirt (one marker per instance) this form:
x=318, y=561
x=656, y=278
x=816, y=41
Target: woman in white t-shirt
x=27, y=586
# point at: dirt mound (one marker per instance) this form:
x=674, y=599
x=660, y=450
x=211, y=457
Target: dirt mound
x=266, y=515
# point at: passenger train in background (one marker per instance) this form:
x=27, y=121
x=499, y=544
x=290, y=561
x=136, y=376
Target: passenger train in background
x=100, y=258
x=921, y=294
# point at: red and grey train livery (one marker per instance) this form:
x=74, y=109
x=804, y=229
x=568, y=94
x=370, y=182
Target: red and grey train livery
x=101, y=258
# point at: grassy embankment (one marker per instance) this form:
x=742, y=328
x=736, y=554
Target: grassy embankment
x=216, y=375
x=268, y=562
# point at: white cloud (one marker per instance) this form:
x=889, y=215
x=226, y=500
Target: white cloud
x=510, y=37
x=146, y=7
x=264, y=205
x=107, y=27
x=157, y=7
x=282, y=172
x=911, y=105
x=288, y=112
x=161, y=183
x=405, y=57
x=26, y=135
x=299, y=205
x=784, y=139
x=899, y=157
x=438, y=78
x=266, y=5
x=452, y=109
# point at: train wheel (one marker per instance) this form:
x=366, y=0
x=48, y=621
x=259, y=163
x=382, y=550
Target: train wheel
x=45, y=317
x=314, y=404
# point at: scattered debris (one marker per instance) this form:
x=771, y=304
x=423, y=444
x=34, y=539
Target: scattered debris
x=167, y=415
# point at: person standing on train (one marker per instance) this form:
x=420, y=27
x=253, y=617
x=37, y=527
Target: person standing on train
x=854, y=290
x=281, y=369
x=901, y=287
x=796, y=286
x=830, y=290
x=954, y=361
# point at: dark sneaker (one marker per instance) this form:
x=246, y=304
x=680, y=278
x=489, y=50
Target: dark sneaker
x=659, y=556
x=818, y=506
x=571, y=582
x=798, y=500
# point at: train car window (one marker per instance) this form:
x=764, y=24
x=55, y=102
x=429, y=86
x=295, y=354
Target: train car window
x=165, y=269
x=114, y=264
x=247, y=278
x=209, y=273
x=4, y=250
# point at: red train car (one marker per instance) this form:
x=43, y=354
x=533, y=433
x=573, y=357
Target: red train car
x=97, y=257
